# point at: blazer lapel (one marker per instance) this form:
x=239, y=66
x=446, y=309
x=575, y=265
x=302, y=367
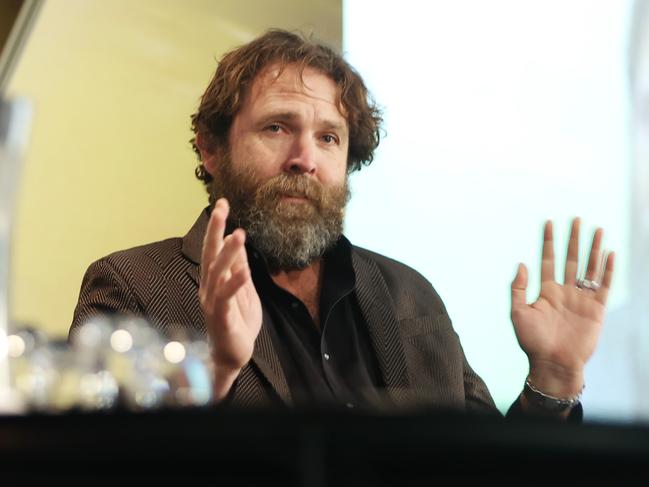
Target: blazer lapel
x=267, y=361
x=377, y=307
x=264, y=356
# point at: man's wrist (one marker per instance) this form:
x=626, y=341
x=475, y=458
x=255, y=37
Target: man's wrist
x=556, y=381
x=540, y=401
x=223, y=379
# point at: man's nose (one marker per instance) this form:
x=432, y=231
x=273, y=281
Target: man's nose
x=301, y=159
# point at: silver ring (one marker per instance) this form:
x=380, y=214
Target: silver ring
x=588, y=284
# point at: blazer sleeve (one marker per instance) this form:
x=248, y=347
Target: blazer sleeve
x=478, y=397
x=515, y=411
x=104, y=291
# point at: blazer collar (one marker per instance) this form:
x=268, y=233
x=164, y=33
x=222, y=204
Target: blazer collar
x=192, y=246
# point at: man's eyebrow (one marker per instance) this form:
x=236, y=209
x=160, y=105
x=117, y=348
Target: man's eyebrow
x=292, y=116
x=280, y=116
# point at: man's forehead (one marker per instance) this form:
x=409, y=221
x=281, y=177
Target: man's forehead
x=307, y=80
x=290, y=73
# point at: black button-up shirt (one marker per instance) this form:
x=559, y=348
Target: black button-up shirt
x=331, y=365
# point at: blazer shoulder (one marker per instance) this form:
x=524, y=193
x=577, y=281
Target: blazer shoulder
x=156, y=255
x=138, y=268
x=125, y=281
x=392, y=267
x=404, y=283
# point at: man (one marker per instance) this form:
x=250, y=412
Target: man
x=294, y=313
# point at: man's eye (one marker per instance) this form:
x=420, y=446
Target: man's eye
x=274, y=128
x=329, y=139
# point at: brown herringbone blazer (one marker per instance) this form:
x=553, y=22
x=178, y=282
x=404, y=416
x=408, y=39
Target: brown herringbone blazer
x=419, y=354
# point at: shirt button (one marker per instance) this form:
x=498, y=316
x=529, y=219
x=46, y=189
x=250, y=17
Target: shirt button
x=326, y=356
x=295, y=304
x=350, y=405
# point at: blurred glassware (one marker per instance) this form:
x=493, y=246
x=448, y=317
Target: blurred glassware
x=15, y=121
x=111, y=363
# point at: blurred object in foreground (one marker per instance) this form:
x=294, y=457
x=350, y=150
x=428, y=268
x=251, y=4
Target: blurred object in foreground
x=112, y=363
x=15, y=118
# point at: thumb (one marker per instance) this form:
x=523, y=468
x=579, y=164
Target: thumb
x=519, y=288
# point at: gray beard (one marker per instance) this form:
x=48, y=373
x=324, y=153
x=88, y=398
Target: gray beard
x=287, y=239
x=290, y=235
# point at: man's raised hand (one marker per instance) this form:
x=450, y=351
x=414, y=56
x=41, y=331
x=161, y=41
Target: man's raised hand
x=560, y=330
x=229, y=300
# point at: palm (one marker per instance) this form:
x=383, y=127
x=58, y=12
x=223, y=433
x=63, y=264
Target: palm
x=562, y=326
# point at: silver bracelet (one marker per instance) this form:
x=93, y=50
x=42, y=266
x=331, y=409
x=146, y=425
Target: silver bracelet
x=548, y=402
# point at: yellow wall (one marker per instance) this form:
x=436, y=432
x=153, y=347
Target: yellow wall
x=109, y=166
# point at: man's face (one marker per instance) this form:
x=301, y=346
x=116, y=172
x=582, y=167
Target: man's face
x=285, y=171
x=286, y=126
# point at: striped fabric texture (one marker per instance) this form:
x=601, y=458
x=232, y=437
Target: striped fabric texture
x=418, y=352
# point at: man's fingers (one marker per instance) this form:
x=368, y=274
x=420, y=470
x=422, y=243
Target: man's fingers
x=241, y=259
x=230, y=287
x=221, y=268
x=519, y=288
x=607, y=279
x=572, y=257
x=547, y=257
x=593, y=271
x=221, y=299
x=213, y=241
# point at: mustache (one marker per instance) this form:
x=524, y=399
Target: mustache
x=291, y=185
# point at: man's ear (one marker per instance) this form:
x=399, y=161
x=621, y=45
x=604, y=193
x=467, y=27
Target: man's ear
x=208, y=150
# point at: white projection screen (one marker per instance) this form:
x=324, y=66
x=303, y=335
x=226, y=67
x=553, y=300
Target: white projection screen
x=498, y=116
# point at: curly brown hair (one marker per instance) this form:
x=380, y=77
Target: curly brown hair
x=237, y=70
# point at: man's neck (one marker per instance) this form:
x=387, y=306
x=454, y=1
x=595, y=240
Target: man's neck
x=305, y=284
